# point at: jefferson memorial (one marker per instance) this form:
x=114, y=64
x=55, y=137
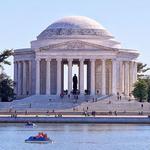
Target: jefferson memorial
x=103, y=66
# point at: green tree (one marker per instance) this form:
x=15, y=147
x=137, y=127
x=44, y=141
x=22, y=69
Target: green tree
x=140, y=90
x=141, y=69
x=6, y=84
x=3, y=57
x=147, y=80
x=148, y=94
x=6, y=88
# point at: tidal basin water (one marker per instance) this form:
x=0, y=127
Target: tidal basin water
x=77, y=137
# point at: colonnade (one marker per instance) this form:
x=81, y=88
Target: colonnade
x=23, y=77
x=23, y=74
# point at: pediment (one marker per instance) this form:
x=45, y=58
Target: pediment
x=74, y=44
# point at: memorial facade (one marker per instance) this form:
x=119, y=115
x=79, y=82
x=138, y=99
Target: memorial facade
x=81, y=41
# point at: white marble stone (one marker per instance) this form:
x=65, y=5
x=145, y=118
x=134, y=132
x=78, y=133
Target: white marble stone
x=78, y=40
x=70, y=75
x=92, y=76
x=103, y=77
x=48, y=77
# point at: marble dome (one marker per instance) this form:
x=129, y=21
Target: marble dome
x=76, y=22
x=73, y=26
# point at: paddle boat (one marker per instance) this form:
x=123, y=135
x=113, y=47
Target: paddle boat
x=40, y=138
x=30, y=124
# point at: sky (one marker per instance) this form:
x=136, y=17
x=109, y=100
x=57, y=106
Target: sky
x=128, y=20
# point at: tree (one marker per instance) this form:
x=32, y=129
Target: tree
x=147, y=80
x=6, y=88
x=3, y=57
x=148, y=92
x=141, y=69
x=6, y=84
x=140, y=90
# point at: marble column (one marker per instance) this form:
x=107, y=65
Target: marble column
x=81, y=76
x=59, y=60
x=30, y=77
x=131, y=73
x=92, y=76
x=103, y=77
x=24, y=78
x=19, y=78
x=135, y=66
x=15, y=76
x=69, y=75
x=48, y=76
x=120, y=77
x=114, y=77
x=37, y=76
x=126, y=78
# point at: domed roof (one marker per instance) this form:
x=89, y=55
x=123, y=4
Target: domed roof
x=76, y=22
x=74, y=26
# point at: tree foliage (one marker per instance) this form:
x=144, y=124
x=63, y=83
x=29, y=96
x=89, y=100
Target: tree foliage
x=6, y=88
x=147, y=80
x=3, y=57
x=6, y=84
x=141, y=69
x=140, y=90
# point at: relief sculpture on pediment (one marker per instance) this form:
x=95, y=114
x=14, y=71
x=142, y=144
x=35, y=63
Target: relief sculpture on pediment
x=75, y=45
x=72, y=45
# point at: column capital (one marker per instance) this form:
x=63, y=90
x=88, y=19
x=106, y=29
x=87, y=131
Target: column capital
x=69, y=59
x=58, y=59
x=131, y=62
x=81, y=59
x=37, y=59
x=103, y=59
x=113, y=59
x=48, y=59
x=92, y=59
x=126, y=62
x=120, y=61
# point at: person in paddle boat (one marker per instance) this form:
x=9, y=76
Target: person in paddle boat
x=40, y=138
x=30, y=124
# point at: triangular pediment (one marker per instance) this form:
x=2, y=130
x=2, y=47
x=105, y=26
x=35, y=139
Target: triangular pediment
x=74, y=44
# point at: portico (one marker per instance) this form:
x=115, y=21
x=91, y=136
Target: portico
x=109, y=68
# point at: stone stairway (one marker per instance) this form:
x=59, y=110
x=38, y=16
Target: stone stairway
x=48, y=102
x=100, y=103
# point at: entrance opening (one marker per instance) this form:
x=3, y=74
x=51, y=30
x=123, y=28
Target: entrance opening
x=75, y=70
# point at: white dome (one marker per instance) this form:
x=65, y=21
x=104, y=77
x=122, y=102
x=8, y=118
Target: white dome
x=74, y=26
x=76, y=22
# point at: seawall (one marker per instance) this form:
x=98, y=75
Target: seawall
x=100, y=120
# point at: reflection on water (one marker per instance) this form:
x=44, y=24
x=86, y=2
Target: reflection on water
x=77, y=137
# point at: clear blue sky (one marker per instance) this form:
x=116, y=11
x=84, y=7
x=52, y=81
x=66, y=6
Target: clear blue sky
x=128, y=20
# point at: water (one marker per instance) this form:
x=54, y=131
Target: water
x=77, y=137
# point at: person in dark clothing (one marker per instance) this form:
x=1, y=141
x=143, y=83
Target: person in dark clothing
x=75, y=82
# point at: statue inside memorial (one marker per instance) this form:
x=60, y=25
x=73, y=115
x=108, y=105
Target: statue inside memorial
x=75, y=82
